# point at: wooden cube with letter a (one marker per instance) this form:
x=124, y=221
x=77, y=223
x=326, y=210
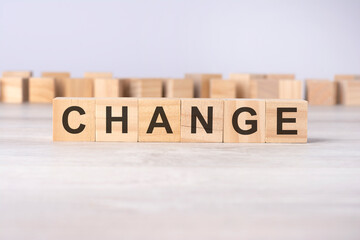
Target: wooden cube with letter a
x=108, y=87
x=159, y=120
x=244, y=120
x=202, y=83
x=286, y=121
x=60, y=82
x=220, y=88
x=117, y=119
x=41, y=90
x=179, y=88
x=14, y=89
x=74, y=119
x=202, y=120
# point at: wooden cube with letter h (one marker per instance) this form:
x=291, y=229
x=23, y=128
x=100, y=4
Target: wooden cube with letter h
x=117, y=119
x=202, y=120
x=286, y=121
x=74, y=119
x=159, y=120
x=244, y=121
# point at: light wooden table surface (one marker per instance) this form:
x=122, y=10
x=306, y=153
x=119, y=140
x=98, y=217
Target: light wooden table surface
x=179, y=191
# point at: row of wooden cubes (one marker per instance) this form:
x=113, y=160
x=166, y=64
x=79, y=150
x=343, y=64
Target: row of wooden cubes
x=20, y=86
x=179, y=120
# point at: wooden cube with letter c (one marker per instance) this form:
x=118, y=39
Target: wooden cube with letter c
x=159, y=120
x=244, y=121
x=286, y=121
x=117, y=119
x=74, y=119
x=202, y=120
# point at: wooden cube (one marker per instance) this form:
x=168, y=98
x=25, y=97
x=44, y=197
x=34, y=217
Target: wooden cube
x=98, y=75
x=350, y=92
x=74, y=119
x=108, y=87
x=286, y=121
x=79, y=87
x=146, y=87
x=179, y=88
x=202, y=83
x=281, y=76
x=60, y=82
x=244, y=121
x=117, y=119
x=202, y=120
x=18, y=74
x=159, y=120
x=321, y=92
x=264, y=88
x=341, y=77
x=41, y=90
x=243, y=83
x=220, y=88
x=290, y=89
x=14, y=89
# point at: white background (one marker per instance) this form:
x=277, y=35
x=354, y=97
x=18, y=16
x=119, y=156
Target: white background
x=164, y=38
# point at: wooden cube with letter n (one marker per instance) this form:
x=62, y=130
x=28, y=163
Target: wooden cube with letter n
x=244, y=120
x=286, y=121
x=202, y=120
x=159, y=120
x=74, y=119
x=117, y=119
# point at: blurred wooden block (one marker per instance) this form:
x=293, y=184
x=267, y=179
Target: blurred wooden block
x=18, y=74
x=290, y=89
x=220, y=88
x=159, y=120
x=179, y=88
x=117, y=119
x=79, y=87
x=60, y=83
x=108, y=87
x=244, y=121
x=74, y=119
x=98, y=75
x=202, y=83
x=202, y=120
x=243, y=83
x=281, y=76
x=321, y=92
x=14, y=89
x=286, y=121
x=41, y=90
x=264, y=88
x=350, y=92
x=146, y=87
x=341, y=77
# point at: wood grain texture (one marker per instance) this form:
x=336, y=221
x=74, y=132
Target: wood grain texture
x=243, y=83
x=108, y=87
x=203, y=105
x=264, y=88
x=321, y=92
x=341, y=77
x=171, y=108
x=75, y=119
x=179, y=88
x=290, y=89
x=117, y=133
x=202, y=83
x=67, y=190
x=276, y=76
x=245, y=121
x=98, y=75
x=79, y=87
x=349, y=92
x=14, y=89
x=146, y=87
x=19, y=74
x=41, y=90
x=298, y=123
x=220, y=88
x=60, y=82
